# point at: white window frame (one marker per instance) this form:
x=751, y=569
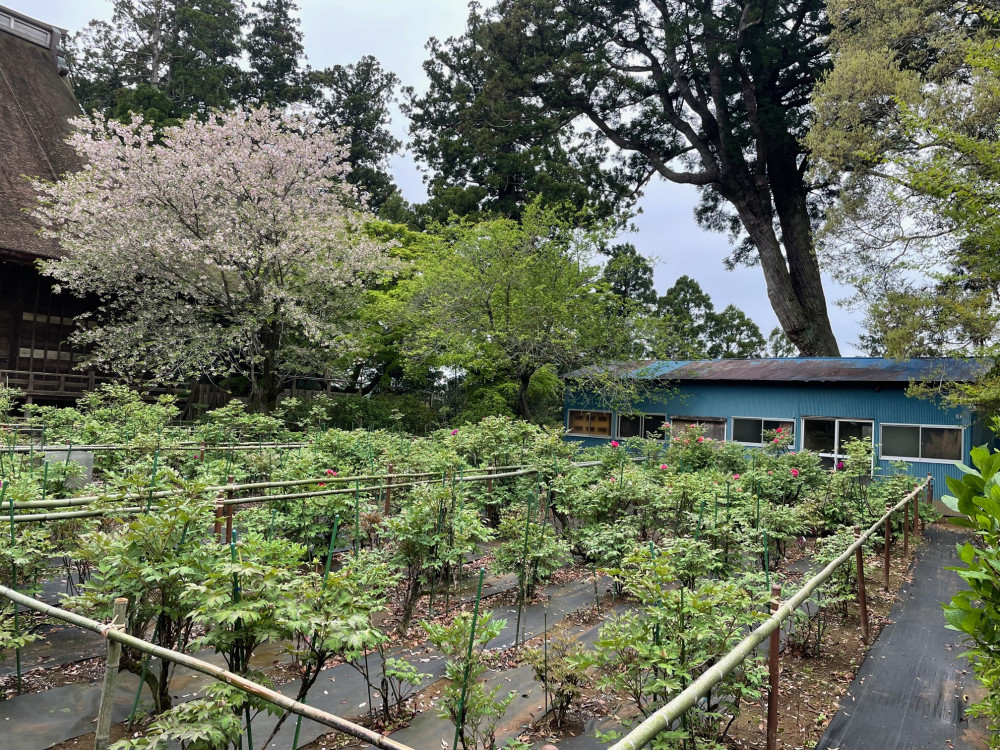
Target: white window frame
x=664, y=419
x=732, y=428
x=836, y=436
x=590, y=434
x=917, y=459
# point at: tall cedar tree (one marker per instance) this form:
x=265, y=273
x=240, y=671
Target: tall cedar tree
x=274, y=53
x=165, y=59
x=359, y=97
x=711, y=95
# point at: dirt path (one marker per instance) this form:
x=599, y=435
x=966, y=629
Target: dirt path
x=912, y=689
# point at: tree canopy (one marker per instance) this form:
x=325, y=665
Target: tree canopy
x=712, y=96
x=216, y=248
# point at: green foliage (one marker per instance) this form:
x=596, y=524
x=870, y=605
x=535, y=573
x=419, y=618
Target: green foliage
x=466, y=702
x=209, y=723
x=975, y=611
x=559, y=666
x=152, y=559
x=232, y=423
x=531, y=548
x=676, y=633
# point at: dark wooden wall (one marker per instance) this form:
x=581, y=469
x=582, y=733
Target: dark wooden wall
x=34, y=326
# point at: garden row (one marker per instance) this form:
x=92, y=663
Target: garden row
x=689, y=530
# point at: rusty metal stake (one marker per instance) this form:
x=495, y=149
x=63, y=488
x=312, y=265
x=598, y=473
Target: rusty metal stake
x=774, y=667
x=862, y=594
x=888, y=538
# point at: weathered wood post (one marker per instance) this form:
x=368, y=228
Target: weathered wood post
x=930, y=496
x=886, y=563
x=774, y=668
x=102, y=737
x=862, y=594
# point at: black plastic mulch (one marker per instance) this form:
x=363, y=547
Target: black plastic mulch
x=913, y=688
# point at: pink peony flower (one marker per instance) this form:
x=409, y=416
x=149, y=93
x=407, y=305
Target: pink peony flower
x=778, y=430
x=663, y=466
x=701, y=439
x=840, y=464
x=614, y=443
x=611, y=479
x=775, y=440
x=321, y=484
x=454, y=432
x=331, y=473
x=736, y=476
x=794, y=472
x=770, y=472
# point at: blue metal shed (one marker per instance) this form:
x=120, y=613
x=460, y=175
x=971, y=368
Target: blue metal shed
x=822, y=400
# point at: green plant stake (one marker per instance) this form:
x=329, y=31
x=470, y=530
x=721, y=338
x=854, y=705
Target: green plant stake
x=357, y=519
x=45, y=480
x=329, y=552
x=756, y=524
x=468, y=661
x=69, y=452
x=545, y=657
x=13, y=583
x=715, y=509
x=701, y=510
x=298, y=726
x=152, y=478
x=767, y=563
x=523, y=588
x=142, y=679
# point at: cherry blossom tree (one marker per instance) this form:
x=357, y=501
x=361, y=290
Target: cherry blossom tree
x=220, y=248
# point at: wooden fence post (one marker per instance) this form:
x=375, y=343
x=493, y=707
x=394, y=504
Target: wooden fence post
x=102, y=737
x=886, y=563
x=774, y=669
x=862, y=594
x=217, y=526
x=930, y=496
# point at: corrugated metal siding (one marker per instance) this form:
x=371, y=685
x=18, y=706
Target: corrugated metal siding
x=879, y=403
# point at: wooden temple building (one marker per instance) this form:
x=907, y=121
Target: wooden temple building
x=36, y=102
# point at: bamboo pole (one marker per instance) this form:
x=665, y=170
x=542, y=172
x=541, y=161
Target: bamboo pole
x=102, y=737
x=204, y=667
x=664, y=717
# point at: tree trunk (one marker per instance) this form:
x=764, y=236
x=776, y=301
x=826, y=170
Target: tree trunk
x=791, y=273
x=522, y=395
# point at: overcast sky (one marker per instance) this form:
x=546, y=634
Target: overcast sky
x=395, y=31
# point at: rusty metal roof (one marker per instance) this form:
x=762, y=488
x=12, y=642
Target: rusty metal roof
x=803, y=370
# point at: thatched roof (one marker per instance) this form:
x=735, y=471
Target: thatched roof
x=35, y=103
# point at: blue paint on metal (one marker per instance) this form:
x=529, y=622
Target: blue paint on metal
x=789, y=398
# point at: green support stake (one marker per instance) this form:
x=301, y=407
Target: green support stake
x=701, y=511
x=523, y=588
x=298, y=726
x=45, y=480
x=152, y=478
x=715, y=507
x=767, y=563
x=69, y=452
x=357, y=519
x=545, y=657
x=13, y=583
x=329, y=552
x=468, y=661
x=756, y=524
